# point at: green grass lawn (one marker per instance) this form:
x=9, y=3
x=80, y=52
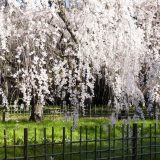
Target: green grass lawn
x=58, y=123
x=18, y=123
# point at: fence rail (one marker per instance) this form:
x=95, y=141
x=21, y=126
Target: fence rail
x=125, y=142
x=90, y=111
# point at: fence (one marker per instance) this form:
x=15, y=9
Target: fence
x=98, y=143
x=90, y=111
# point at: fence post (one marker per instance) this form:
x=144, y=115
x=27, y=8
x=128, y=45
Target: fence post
x=114, y=138
x=64, y=132
x=5, y=145
x=142, y=141
x=35, y=141
x=109, y=142
x=123, y=142
x=95, y=142
x=25, y=143
x=45, y=143
x=134, y=142
x=150, y=139
x=86, y=142
x=71, y=143
x=14, y=142
x=52, y=142
x=155, y=141
x=127, y=141
x=100, y=145
x=80, y=141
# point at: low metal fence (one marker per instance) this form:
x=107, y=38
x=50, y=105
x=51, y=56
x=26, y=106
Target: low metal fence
x=125, y=142
x=90, y=111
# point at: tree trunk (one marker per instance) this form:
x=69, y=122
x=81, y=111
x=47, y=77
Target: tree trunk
x=36, y=113
x=36, y=109
x=4, y=118
x=4, y=115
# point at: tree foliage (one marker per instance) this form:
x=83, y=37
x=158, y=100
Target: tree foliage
x=50, y=52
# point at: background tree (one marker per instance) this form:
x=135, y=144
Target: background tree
x=67, y=55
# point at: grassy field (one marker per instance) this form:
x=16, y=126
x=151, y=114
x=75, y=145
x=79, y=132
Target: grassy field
x=18, y=123
x=58, y=123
